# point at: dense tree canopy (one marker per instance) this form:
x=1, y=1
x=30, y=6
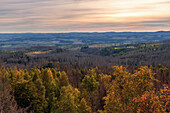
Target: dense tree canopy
x=48, y=90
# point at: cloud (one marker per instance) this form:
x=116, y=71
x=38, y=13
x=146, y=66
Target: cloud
x=87, y=15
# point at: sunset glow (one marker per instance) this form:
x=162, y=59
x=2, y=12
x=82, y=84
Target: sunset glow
x=84, y=15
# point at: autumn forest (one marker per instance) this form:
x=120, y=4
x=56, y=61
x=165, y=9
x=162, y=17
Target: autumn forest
x=124, y=78
x=84, y=56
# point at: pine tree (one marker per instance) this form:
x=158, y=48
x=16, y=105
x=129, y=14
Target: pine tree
x=68, y=100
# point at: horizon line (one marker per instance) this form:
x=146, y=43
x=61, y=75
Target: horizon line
x=84, y=32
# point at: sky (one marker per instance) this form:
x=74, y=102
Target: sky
x=20, y=16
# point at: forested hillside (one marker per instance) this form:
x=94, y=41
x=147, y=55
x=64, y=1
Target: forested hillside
x=133, y=54
x=121, y=78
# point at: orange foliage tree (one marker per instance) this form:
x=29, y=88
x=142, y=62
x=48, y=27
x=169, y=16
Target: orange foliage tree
x=131, y=93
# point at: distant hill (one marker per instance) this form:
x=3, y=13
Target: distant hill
x=14, y=40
